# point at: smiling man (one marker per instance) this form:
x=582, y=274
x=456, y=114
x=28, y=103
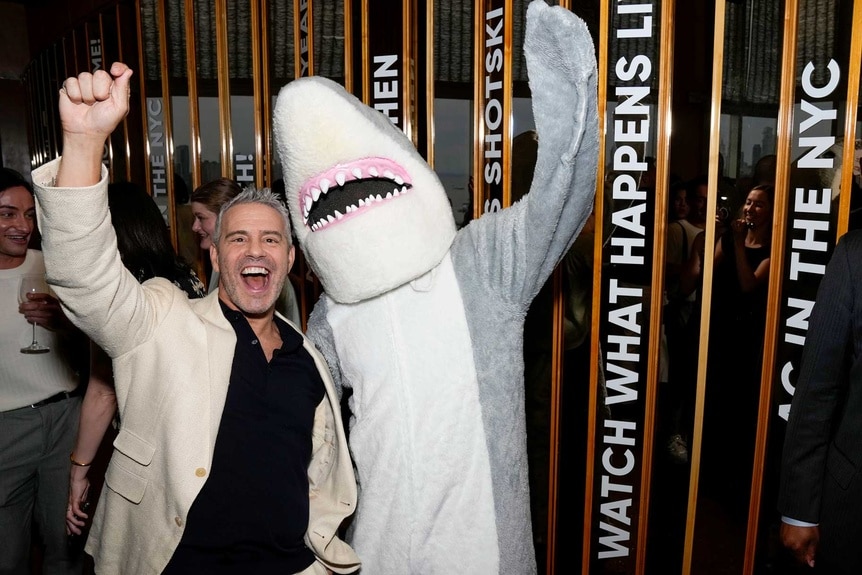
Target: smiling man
x=253, y=255
x=231, y=457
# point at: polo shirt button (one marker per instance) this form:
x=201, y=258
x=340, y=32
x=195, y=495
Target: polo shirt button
x=178, y=521
x=200, y=472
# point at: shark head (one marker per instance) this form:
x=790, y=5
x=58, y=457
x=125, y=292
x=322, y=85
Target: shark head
x=368, y=211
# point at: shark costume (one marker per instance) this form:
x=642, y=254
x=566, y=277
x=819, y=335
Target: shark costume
x=426, y=324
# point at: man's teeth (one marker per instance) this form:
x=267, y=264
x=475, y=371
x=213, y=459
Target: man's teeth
x=251, y=270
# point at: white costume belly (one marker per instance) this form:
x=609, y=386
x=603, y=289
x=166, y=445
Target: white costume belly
x=416, y=435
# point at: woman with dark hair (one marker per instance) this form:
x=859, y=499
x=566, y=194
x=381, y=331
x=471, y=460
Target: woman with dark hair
x=145, y=249
x=745, y=247
x=143, y=239
x=736, y=337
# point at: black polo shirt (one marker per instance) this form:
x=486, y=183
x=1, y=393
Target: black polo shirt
x=252, y=513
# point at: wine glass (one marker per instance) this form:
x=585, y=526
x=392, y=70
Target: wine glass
x=32, y=284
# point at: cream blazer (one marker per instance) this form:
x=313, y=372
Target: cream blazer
x=172, y=360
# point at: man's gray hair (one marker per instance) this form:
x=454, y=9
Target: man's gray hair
x=252, y=195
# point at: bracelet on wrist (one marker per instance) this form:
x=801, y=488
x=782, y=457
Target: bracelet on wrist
x=78, y=463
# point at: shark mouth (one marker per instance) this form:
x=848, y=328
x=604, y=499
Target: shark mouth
x=348, y=189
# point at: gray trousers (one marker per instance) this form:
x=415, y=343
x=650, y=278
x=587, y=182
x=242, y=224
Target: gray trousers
x=35, y=444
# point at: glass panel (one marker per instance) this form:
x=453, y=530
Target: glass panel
x=750, y=104
x=855, y=219
x=95, y=61
x=280, y=26
x=29, y=81
x=128, y=51
x=56, y=75
x=181, y=125
x=155, y=105
x=453, y=104
x=326, y=55
x=242, y=111
x=209, y=121
x=94, y=48
x=281, y=54
x=453, y=139
x=187, y=241
x=242, y=115
x=80, y=61
x=110, y=53
x=328, y=42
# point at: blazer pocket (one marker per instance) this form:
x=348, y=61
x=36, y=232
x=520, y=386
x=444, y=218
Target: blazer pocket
x=840, y=467
x=125, y=473
x=134, y=447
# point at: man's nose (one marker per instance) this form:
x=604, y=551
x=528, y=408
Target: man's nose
x=254, y=247
x=24, y=223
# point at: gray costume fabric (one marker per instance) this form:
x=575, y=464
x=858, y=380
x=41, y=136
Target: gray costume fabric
x=436, y=363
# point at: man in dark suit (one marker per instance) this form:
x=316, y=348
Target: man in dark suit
x=820, y=498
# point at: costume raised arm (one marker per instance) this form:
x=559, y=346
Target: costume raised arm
x=79, y=243
x=518, y=248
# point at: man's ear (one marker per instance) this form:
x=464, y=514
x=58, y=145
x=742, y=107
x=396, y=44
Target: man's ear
x=214, y=257
x=291, y=256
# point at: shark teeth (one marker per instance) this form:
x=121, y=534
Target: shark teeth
x=369, y=168
x=362, y=203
